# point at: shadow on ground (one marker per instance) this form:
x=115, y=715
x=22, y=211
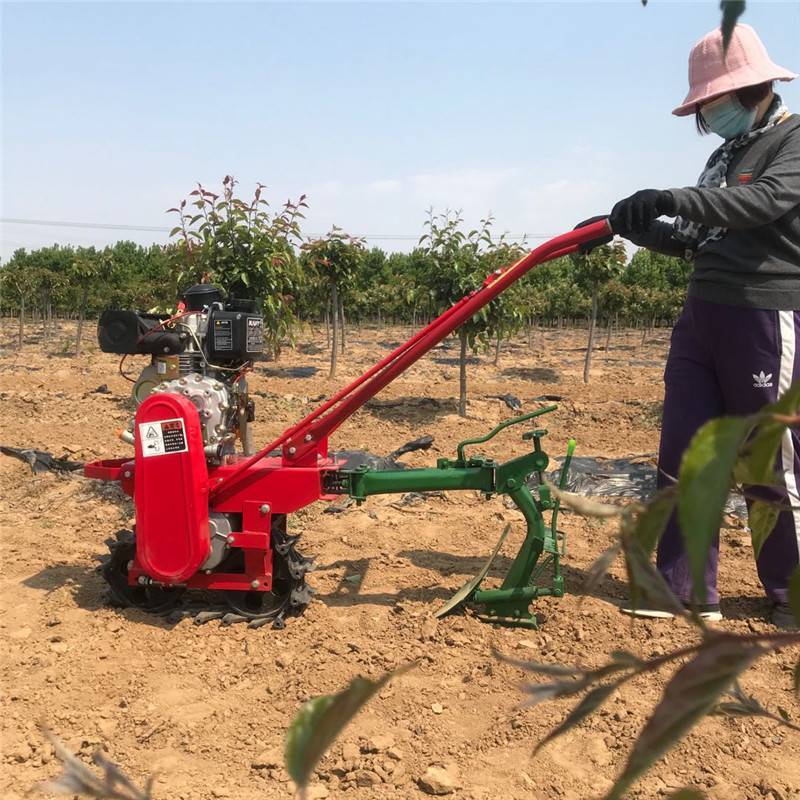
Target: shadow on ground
x=414, y=410
x=290, y=372
x=540, y=374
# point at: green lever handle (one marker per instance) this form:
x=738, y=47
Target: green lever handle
x=502, y=426
x=562, y=482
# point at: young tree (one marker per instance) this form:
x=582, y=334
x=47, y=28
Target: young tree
x=244, y=248
x=336, y=257
x=506, y=314
x=593, y=270
x=20, y=281
x=458, y=266
x=88, y=267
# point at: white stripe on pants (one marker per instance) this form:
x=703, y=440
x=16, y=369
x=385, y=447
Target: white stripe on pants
x=786, y=326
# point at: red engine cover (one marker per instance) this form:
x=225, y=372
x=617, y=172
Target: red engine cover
x=171, y=492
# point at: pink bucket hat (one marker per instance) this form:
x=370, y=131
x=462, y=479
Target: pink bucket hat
x=745, y=64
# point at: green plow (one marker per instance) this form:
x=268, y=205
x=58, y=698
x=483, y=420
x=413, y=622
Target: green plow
x=543, y=546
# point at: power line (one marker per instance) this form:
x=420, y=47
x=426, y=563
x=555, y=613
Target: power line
x=159, y=229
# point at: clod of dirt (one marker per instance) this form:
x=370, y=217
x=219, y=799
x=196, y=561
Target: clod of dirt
x=350, y=751
x=439, y=780
x=268, y=759
x=377, y=744
x=366, y=777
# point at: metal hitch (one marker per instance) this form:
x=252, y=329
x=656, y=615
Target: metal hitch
x=543, y=545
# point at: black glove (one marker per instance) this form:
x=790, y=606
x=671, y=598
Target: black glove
x=587, y=247
x=635, y=214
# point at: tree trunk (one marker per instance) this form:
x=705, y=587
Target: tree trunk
x=328, y=324
x=588, y=363
x=462, y=374
x=81, y=317
x=334, y=330
x=497, y=342
x=341, y=320
x=21, y=329
x=608, y=337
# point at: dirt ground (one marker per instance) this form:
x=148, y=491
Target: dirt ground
x=206, y=707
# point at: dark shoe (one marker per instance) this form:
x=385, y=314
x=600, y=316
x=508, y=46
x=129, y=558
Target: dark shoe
x=709, y=612
x=782, y=617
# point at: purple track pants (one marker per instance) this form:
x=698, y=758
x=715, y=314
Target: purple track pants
x=727, y=360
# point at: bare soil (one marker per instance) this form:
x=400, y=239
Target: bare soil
x=206, y=707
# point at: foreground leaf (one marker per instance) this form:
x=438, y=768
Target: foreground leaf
x=731, y=11
x=582, y=505
x=320, y=721
x=590, y=702
x=687, y=794
x=77, y=779
x=692, y=693
x=703, y=485
x=761, y=517
x=645, y=582
x=759, y=457
x=597, y=571
x=650, y=524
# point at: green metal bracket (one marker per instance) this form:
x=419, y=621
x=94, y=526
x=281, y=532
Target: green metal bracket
x=542, y=547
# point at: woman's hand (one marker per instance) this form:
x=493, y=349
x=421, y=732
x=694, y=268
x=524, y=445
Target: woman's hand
x=635, y=214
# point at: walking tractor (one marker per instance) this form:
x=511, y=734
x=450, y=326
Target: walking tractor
x=211, y=519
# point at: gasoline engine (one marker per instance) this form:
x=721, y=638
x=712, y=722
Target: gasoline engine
x=201, y=353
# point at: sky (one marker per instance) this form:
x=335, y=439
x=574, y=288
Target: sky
x=540, y=113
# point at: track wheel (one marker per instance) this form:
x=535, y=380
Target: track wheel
x=289, y=594
x=154, y=598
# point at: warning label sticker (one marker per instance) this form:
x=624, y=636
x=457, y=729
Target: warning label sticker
x=162, y=437
x=255, y=335
x=223, y=334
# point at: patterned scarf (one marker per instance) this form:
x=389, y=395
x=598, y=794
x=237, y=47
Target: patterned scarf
x=715, y=176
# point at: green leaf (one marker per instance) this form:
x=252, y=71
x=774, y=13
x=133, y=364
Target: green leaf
x=731, y=11
x=645, y=582
x=320, y=721
x=757, y=462
x=687, y=794
x=794, y=594
x=796, y=678
x=651, y=522
x=703, y=485
x=692, y=693
x=762, y=517
x=175, y=230
x=590, y=702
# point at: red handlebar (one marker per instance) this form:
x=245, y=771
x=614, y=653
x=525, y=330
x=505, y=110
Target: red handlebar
x=299, y=443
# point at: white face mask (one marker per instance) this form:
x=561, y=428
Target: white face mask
x=727, y=117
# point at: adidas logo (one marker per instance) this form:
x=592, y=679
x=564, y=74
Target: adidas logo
x=762, y=381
